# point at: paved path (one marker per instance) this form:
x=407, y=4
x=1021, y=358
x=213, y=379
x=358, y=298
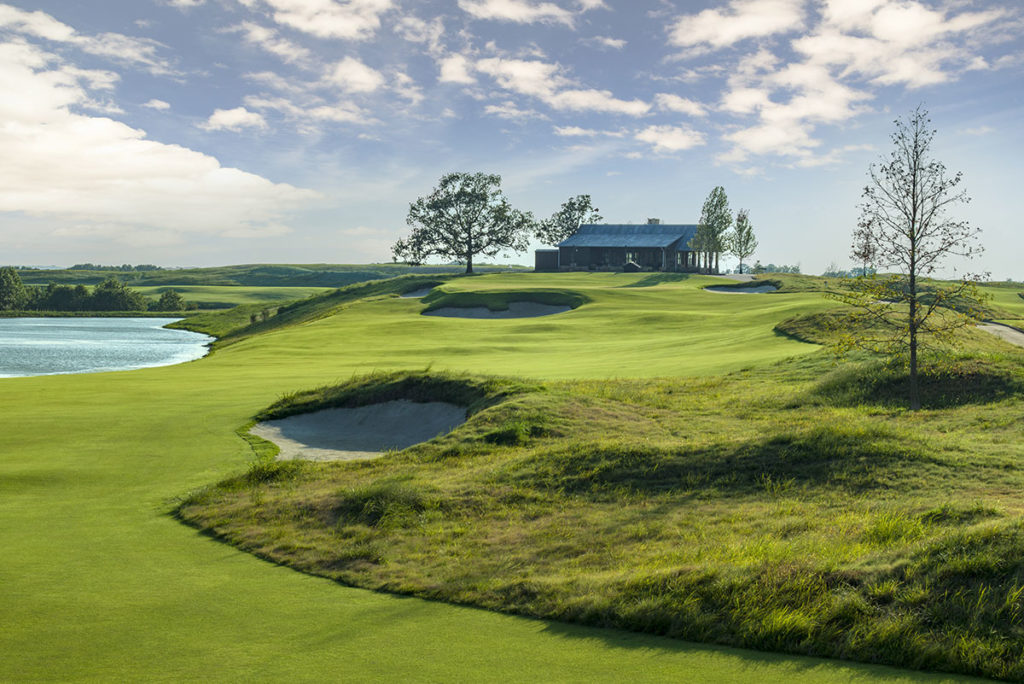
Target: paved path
x=1011, y=335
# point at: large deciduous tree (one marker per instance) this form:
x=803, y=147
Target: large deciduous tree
x=741, y=242
x=715, y=220
x=467, y=214
x=905, y=223
x=13, y=295
x=573, y=213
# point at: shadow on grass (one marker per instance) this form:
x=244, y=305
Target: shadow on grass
x=659, y=279
x=851, y=458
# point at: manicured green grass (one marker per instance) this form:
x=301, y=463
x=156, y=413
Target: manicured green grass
x=99, y=582
x=228, y=296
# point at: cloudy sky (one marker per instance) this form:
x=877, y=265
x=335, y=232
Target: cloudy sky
x=204, y=132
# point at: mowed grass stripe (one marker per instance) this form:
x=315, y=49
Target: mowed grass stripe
x=97, y=582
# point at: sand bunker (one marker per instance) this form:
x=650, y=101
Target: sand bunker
x=760, y=289
x=515, y=310
x=363, y=432
x=1011, y=335
x=416, y=294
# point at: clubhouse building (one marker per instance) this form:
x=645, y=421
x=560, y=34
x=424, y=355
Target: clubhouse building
x=653, y=246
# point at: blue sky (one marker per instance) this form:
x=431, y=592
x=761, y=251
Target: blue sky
x=204, y=132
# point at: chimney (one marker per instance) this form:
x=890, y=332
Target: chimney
x=653, y=222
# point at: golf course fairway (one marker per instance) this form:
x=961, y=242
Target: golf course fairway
x=99, y=583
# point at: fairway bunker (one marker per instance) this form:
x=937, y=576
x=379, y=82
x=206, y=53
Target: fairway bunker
x=345, y=434
x=760, y=289
x=514, y=310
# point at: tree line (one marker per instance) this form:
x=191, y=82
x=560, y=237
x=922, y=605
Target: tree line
x=467, y=215
x=110, y=295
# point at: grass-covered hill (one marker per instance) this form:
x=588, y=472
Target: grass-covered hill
x=248, y=275
x=752, y=493
x=659, y=458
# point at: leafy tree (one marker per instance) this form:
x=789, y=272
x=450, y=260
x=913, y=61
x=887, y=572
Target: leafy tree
x=113, y=295
x=13, y=295
x=170, y=300
x=563, y=223
x=715, y=220
x=742, y=243
x=904, y=218
x=467, y=214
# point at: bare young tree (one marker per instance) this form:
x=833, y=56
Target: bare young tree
x=466, y=214
x=573, y=213
x=904, y=219
x=863, y=249
x=741, y=242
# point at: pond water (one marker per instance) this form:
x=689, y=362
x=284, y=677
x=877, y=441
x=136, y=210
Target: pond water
x=51, y=346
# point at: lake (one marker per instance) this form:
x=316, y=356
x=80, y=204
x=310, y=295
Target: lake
x=51, y=346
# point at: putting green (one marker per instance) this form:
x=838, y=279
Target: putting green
x=97, y=582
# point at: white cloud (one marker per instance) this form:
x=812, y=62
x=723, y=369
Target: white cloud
x=857, y=44
x=185, y=4
x=235, y=119
x=96, y=174
x=578, y=132
x=509, y=110
x=269, y=40
x=674, y=103
x=896, y=43
x=352, y=76
x=310, y=112
x=606, y=42
x=406, y=87
x=519, y=11
x=346, y=19
x=670, y=138
x=980, y=130
x=417, y=30
x=158, y=104
x=116, y=46
x=744, y=19
x=456, y=69
x=545, y=82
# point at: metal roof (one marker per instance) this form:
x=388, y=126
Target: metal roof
x=661, y=235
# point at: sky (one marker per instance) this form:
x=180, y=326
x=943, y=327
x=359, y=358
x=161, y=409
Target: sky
x=212, y=132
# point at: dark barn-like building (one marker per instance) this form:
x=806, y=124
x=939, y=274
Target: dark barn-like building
x=653, y=246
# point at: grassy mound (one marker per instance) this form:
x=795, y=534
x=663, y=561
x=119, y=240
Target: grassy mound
x=247, y=320
x=945, y=384
x=668, y=508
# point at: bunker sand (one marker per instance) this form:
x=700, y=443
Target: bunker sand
x=346, y=434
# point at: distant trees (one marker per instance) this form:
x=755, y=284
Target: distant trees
x=741, y=242
x=122, y=267
x=905, y=223
x=772, y=268
x=715, y=221
x=113, y=295
x=13, y=296
x=573, y=213
x=466, y=215
x=169, y=301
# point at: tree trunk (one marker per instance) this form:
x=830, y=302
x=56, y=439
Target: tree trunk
x=469, y=263
x=716, y=262
x=915, y=392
